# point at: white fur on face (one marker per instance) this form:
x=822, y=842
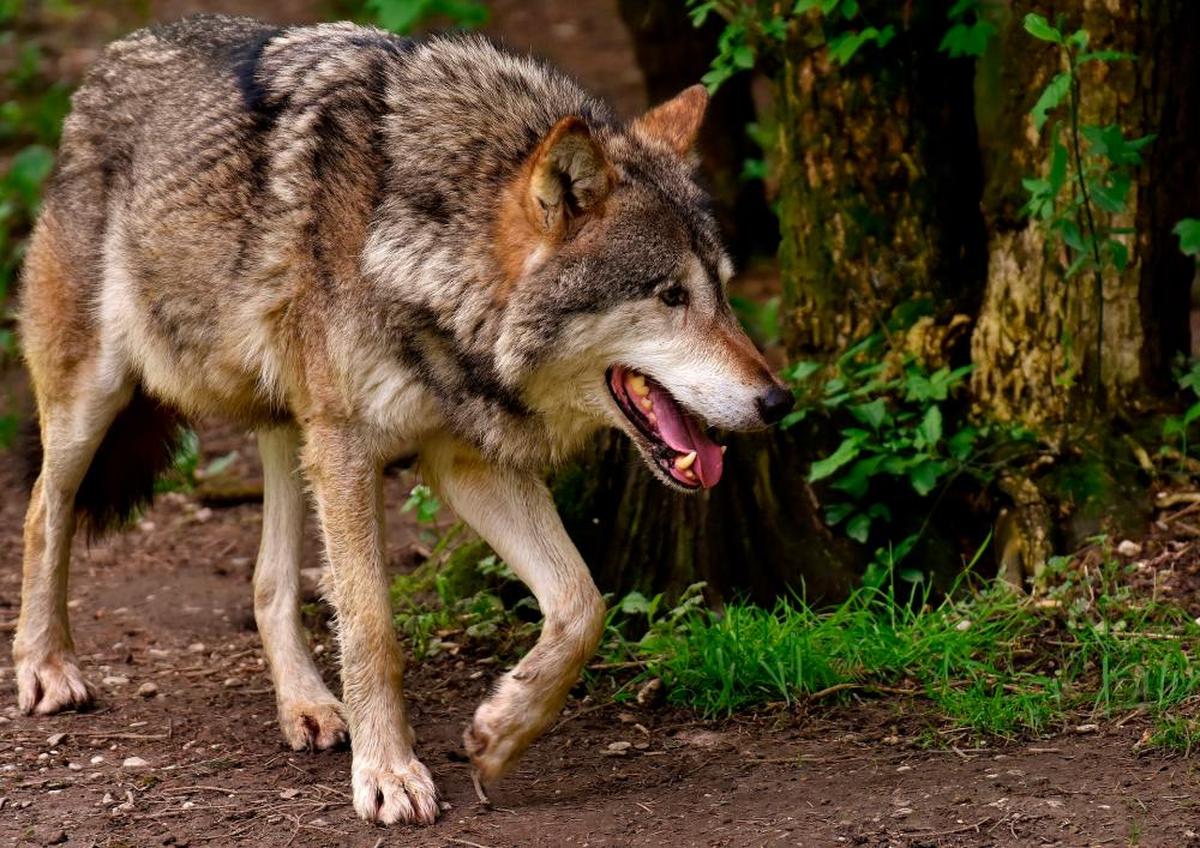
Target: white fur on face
x=687, y=350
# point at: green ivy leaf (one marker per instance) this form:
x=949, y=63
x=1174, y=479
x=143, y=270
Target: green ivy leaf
x=1048, y=101
x=930, y=430
x=1119, y=254
x=873, y=414
x=822, y=468
x=967, y=39
x=1105, y=56
x=859, y=528
x=856, y=481
x=1040, y=28
x=1188, y=231
x=836, y=513
x=924, y=477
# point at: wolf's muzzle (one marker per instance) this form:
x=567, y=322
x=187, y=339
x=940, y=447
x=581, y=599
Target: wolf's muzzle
x=775, y=403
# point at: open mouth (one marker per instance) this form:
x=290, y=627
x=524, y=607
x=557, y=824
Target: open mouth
x=677, y=440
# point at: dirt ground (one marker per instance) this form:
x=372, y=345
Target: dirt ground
x=183, y=747
x=164, y=627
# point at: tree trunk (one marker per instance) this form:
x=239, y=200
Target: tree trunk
x=880, y=202
x=880, y=181
x=1048, y=352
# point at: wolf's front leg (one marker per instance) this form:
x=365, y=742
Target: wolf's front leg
x=514, y=512
x=390, y=784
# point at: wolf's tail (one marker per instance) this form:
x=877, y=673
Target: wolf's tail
x=139, y=445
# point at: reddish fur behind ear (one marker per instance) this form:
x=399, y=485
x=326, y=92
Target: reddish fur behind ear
x=565, y=179
x=675, y=123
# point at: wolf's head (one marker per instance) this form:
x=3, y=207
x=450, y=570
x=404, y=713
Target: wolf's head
x=615, y=292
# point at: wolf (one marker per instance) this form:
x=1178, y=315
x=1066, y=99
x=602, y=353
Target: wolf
x=362, y=246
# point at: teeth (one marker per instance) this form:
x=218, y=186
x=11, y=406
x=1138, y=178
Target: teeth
x=647, y=404
x=652, y=418
x=683, y=463
x=690, y=475
x=723, y=449
x=637, y=385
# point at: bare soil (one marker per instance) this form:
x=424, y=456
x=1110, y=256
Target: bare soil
x=168, y=603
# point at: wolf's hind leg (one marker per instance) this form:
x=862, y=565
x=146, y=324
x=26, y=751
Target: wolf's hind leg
x=514, y=512
x=309, y=716
x=72, y=428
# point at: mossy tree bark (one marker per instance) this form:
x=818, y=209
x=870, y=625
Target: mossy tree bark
x=1048, y=353
x=880, y=203
x=880, y=181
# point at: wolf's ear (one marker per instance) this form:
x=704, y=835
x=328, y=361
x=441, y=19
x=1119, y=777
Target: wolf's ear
x=570, y=176
x=675, y=123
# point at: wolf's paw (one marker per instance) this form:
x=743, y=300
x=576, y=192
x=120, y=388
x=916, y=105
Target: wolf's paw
x=51, y=685
x=313, y=725
x=403, y=792
x=498, y=736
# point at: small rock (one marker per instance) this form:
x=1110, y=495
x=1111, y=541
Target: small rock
x=1129, y=548
x=289, y=793
x=232, y=683
x=96, y=760
x=1087, y=728
x=134, y=762
x=75, y=766
x=57, y=838
x=903, y=812
x=55, y=739
x=115, y=680
x=148, y=690
x=618, y=749
x=107, y=799
x=203, y=514
x=197, y=647
x=963, y=626
x=903, y=769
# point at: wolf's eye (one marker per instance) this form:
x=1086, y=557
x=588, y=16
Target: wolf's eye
x=674, y=296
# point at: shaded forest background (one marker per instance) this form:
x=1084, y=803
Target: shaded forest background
x=967, y=233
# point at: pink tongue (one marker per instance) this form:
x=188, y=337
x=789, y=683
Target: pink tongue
x=681, y=432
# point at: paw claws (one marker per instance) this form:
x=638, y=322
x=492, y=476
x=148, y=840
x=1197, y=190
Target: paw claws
x=313, y=727
x=400, y=795
x=52, y=686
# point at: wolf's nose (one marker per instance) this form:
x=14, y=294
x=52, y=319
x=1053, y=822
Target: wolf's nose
x=776, y=403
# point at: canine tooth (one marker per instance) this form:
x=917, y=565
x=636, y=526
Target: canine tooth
x=647, y=404
x=691, y=475
x=683, y=463
x=652, y=418
x=723, y=449
x=637, y=384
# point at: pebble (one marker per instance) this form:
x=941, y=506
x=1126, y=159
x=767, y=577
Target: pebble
x=115, y=680
x=55, y=739
x=57, y=838
x=1129, y=548
x=197, y=647
x=147, y=690
x=96, y=760
x=618, y=748
x=75, y=766
x=289, y=794
x=134, y=762
x=232, y=683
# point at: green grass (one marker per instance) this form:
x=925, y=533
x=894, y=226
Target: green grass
x=995, y=662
